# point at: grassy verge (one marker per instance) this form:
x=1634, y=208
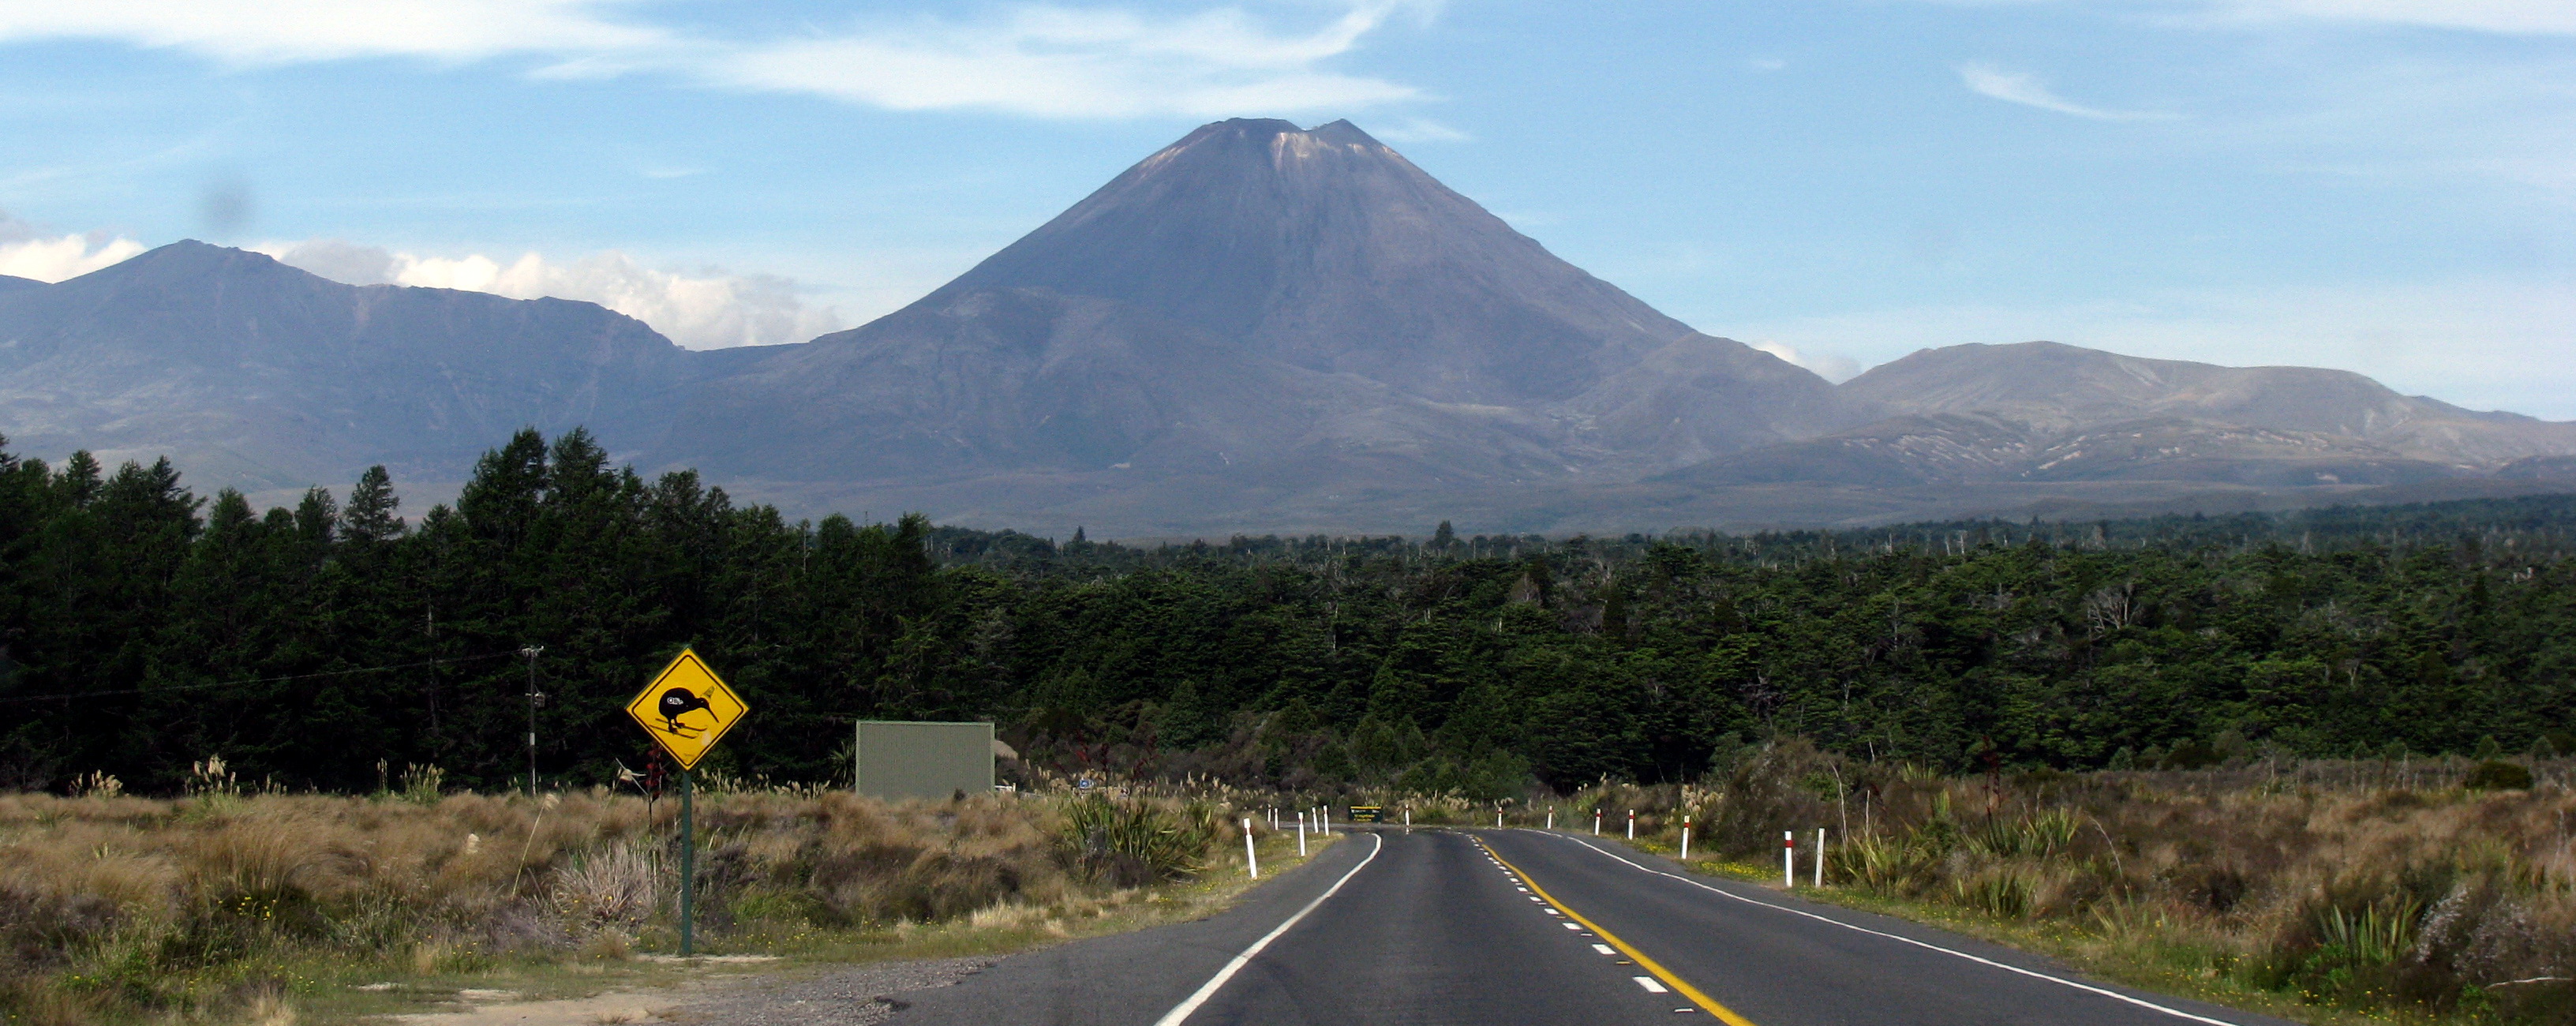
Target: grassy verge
x=2334, y=893
x=281, y=909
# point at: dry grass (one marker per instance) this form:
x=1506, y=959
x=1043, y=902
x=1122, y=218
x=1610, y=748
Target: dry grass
x=2351, y=887
x=222, y=907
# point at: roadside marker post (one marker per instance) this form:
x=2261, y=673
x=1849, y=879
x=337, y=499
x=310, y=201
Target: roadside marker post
x=1498, y=819
x=1596, y=822
x=1551, y=819
x=1820, y=856
x=1632, y=824
x=1301, y=835
x=1408, y=817
x=1789, y=859
x=1328, y=821
x=1686, y=837
x=1251, y=858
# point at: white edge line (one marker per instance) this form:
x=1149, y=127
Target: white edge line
x=2140, y=1002
x=1208, y=990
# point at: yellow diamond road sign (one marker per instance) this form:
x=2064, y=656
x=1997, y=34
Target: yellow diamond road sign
x=687, y=708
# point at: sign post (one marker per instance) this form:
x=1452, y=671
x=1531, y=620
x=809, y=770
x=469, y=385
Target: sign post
x=687, y=709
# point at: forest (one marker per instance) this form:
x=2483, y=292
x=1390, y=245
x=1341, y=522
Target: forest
x=144, y=628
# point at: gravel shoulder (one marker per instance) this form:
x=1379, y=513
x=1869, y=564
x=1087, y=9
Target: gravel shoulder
x=856, y=995
x=861, y=995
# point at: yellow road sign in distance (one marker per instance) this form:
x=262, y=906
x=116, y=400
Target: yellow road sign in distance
x=687, y=709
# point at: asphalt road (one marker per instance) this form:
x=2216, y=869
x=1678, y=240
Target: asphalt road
x=1517, y=926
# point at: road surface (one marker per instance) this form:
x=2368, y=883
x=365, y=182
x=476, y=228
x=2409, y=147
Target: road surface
x=1519, y=926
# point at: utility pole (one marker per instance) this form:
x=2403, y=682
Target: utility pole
x=532, y=652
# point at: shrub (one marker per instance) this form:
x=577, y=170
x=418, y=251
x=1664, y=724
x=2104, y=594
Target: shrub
x=1133, y=842
x=2498, y=775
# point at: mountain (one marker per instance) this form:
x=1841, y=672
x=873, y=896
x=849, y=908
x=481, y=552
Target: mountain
x=2058, y=388
x=1257, y=328
x=257, y=375
x=1328, y=251
x=1256, y=309
x=2048, y=420
x=9, y=284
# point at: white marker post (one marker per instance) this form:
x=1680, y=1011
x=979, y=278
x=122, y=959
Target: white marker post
x=1251, y=858
x=1820, y=856
x=1632, y=824
x=1596, y=822
x=1328, y=821
x=1408, y=816
x=1789, y=859
x=1301, y=835
x=1551, y=819
x=1498, y=819
x=1686, y=837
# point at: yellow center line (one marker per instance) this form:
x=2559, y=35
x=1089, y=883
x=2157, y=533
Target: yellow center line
x=1679, y=986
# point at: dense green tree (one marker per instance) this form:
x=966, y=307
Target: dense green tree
x=142, y=629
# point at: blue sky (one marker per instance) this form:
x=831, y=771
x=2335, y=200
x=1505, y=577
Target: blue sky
x=2387, y=186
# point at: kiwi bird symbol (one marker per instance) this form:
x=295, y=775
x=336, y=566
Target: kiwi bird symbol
x=676, y=703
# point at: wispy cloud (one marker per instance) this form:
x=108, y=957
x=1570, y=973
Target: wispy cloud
x=255, y=32
x=2029, y=91
x=1035, y=60
x=2515, y=17
x=1833, y=367
x=712, y=309
x=1416, y=130
x=2510, y=17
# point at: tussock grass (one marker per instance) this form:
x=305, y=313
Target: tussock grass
x=2346, y=888
x=232, y=907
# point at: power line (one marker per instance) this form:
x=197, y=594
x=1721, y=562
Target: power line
x=255, y=680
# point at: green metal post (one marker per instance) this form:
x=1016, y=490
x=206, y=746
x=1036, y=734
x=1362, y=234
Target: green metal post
x=688, y=871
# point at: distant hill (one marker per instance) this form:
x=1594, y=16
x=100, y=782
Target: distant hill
x=1257, y=328
x=2057, y=388
x=254, y=374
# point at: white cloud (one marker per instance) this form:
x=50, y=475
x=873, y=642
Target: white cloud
x=1068, y=62
x=28, y=252
x=1833, y=367
x=2016, y=87
x=1417, y=130
x=1037, y=60
x=2485, y=344
x=2518, y=17
x=291, y=31
x=711, y=310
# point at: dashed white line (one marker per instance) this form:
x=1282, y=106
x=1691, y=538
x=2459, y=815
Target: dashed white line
x=1649, y=983
x=1604, y=949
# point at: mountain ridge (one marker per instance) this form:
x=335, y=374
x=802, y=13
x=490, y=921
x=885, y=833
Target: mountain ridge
x=1255, y=328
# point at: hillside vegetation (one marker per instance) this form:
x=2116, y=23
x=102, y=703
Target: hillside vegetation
x=335, y=645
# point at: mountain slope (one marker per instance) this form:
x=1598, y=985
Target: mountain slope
x=256, y=374
x=2056, y=388
x=1327, y=250
x=1275, y=307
